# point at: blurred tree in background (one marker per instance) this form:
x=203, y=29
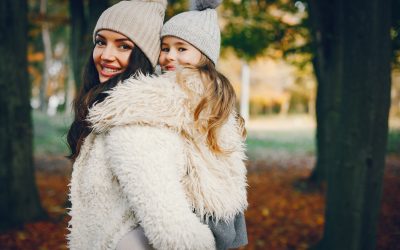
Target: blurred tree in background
x=83, y=18
x=175, y=7
x=287, y=28
x=395, y=32
x=19, y=200
x=47, y=52
x=352, y=62
x=340, y=59
x=60, y=42
x=321, y=23
x=255, y=28
x=251, y=27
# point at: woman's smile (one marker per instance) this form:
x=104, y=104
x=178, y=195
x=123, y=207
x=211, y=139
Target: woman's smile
x=109, y=70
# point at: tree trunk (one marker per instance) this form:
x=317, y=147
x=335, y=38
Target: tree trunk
x=69, y=89
x=328, y=89
x=77, y=41
x=96, y=7
x=284, y=106
x=245, y=91
x=81, y=43
x=362, y=63
x=47, y=58
x=19, y=200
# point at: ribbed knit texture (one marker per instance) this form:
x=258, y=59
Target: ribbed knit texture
x=199, y=28
x=139, y=20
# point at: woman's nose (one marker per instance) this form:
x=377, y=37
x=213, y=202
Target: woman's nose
x=108, y=53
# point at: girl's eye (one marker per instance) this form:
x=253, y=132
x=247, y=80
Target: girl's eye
x=181, y=49
x=165, y=49
x=99, y=42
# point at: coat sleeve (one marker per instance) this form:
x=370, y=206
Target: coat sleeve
x=145, y=161
x=229, y=234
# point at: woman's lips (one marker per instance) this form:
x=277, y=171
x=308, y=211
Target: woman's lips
x=108, y=70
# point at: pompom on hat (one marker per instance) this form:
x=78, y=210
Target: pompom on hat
x=139, y=20
x=198, y=27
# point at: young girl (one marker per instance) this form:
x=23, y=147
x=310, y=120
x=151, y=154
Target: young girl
x=192, y=39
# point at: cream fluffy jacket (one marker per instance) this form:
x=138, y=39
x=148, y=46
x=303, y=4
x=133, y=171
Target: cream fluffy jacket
x=145, y=163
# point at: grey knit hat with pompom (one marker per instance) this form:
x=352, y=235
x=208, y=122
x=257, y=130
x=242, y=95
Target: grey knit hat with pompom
x=139, y=20
x=198, y=27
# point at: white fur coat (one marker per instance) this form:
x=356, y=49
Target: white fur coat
x=137, y=167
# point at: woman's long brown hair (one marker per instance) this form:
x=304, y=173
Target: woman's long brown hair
x=92, y=91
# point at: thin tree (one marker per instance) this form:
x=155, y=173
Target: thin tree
x=19, y=200
x=247, y=32
x=82, y=25
x=48, y=56
x=251, y=28
x=77, y=40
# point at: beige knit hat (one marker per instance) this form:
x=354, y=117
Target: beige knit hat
x=139, y=20
x=198, y=27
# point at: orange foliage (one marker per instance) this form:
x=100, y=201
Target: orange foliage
x=47, y=234
x=279, y=217
x=35, y=57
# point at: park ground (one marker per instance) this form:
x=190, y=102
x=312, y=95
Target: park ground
x=282, y=215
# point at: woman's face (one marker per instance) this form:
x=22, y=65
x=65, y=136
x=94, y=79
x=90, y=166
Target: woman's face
x=175, y=51
x=111, y=53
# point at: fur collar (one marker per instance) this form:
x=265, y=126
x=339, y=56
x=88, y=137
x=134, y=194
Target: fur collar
x=215, y=184
x=143, y=100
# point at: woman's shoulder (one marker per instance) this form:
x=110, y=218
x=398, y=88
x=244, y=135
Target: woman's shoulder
x=143, y=100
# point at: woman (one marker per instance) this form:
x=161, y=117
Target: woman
x=103, y=208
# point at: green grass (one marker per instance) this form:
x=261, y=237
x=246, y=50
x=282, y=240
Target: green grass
x=393, y=145
x=298, y=142
x=291, y=141
x=277, y=142
x=50, y=139
x=50, y=133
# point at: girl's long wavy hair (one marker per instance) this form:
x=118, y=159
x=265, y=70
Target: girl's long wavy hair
x=92, y=91
x=218, y=103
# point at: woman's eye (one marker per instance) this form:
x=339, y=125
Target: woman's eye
x=125, y=47
x=100, y=42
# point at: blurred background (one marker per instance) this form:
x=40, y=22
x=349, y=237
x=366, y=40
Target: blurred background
x=285, y=59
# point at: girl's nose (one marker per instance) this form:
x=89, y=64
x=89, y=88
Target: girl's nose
x=171, y=55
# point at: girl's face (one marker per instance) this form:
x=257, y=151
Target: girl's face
x=111, y=53
x=175, y=51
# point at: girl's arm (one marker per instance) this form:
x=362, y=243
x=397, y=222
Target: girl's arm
x=145, y=161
